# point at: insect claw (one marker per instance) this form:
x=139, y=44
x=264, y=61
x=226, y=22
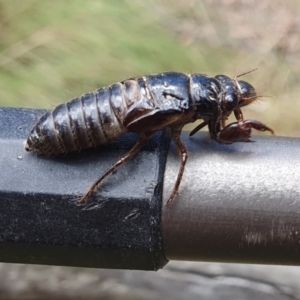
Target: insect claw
x=170, y=200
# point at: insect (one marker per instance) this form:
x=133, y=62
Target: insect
x=146, y=105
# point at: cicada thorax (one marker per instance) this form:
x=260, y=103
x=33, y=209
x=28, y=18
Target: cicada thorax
x=164, y=101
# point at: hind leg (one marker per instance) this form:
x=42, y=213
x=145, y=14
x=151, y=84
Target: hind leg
x=128, y=156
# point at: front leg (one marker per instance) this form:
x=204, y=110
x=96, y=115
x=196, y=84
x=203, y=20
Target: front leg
x=240, y=131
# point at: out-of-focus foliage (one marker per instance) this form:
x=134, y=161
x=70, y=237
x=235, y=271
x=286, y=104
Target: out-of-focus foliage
x=51, y=51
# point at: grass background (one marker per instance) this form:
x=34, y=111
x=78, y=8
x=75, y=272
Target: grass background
x=52, y=51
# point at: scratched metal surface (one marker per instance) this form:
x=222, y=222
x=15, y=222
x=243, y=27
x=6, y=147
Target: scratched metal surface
x=237, y=203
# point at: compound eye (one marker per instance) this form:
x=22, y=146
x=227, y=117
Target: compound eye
x=247, y=90
x=248, y=93
x=230, y=102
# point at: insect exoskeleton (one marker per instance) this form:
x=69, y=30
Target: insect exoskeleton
x=146, y=105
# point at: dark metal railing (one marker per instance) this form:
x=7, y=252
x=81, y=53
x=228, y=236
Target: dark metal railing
x=237, y=203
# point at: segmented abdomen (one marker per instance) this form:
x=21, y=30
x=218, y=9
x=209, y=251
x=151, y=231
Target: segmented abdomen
x=88, y=121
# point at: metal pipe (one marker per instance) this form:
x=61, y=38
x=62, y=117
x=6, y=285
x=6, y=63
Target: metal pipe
x=237, y=203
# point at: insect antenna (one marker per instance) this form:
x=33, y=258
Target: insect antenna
x=242, y=74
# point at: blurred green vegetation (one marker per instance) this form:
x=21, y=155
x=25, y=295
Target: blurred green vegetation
x=51, y=51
